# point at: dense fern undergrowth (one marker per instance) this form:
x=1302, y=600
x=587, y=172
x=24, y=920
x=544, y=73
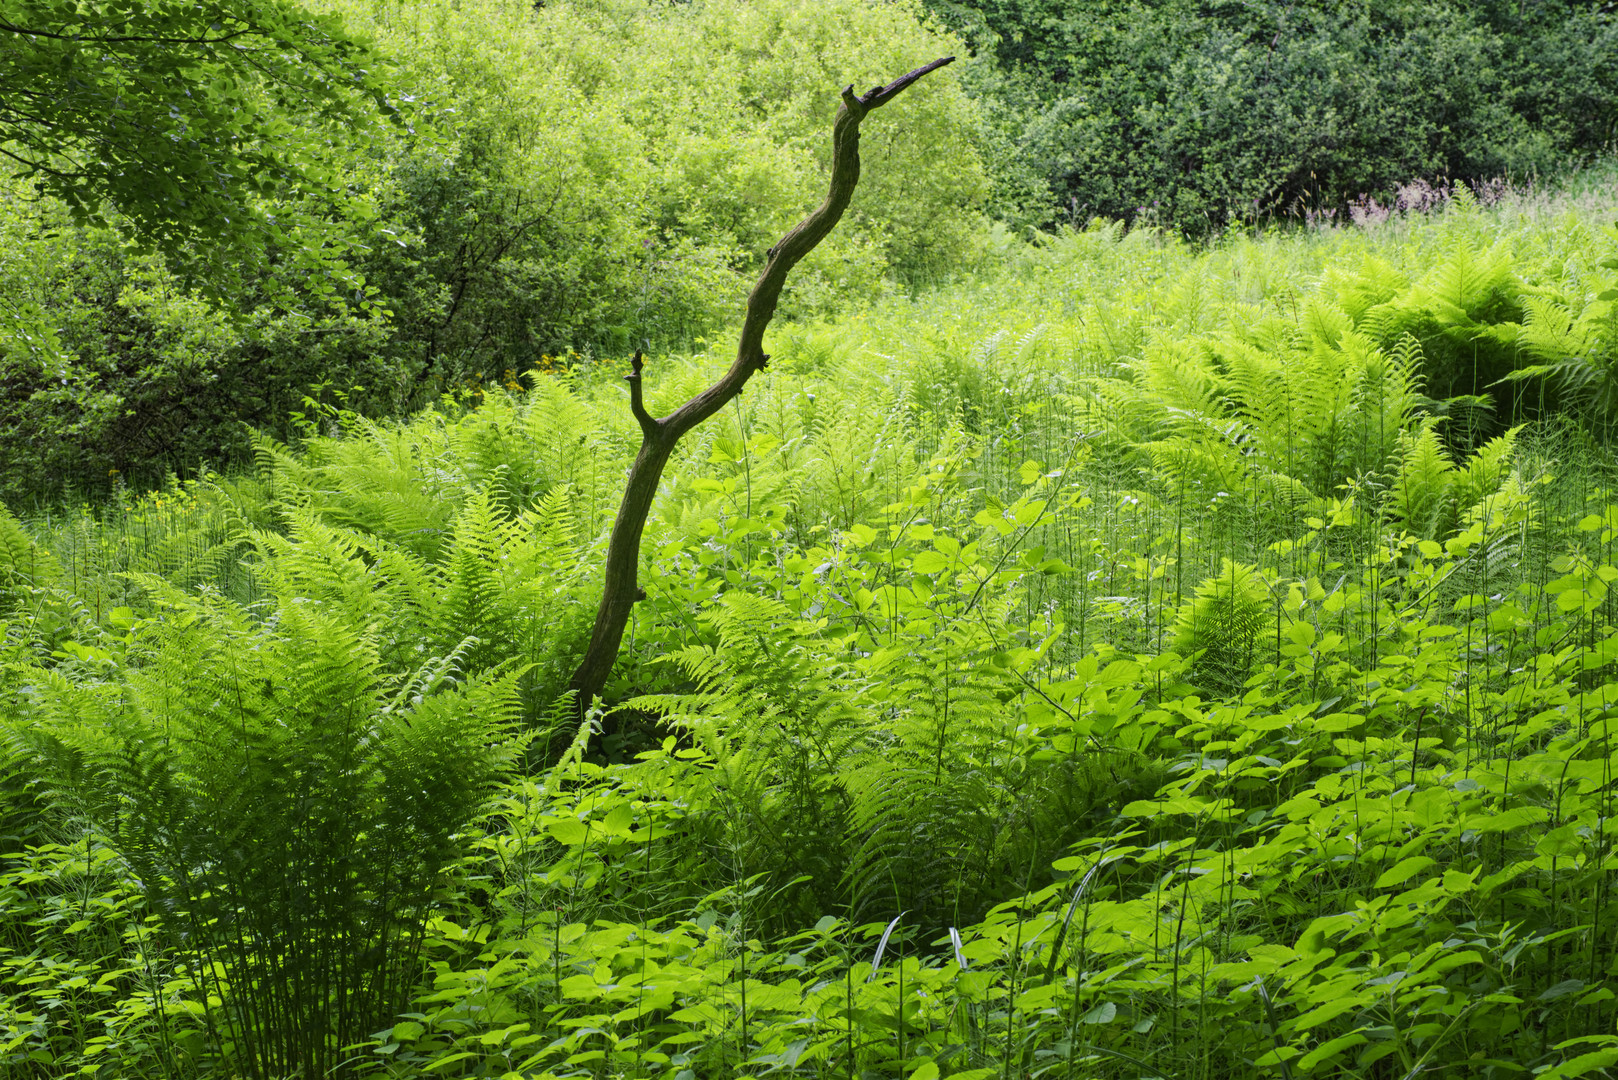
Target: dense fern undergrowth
x=1141, y=662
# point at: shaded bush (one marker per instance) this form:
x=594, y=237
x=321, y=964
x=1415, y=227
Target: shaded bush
x=1197, y=115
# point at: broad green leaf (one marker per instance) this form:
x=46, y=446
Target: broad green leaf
x=1103, y=1013
x=1404, y=870
x=568, y=830
x=1562, y=989
x=1520, y=817
x=1330, y=1010
x=860, y=534
x=1582, y=1065
x=619, y=820
x=1330, y=1049
x=1026, y=513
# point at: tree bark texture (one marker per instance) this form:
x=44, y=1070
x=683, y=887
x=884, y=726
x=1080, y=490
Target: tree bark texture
x=621, y=589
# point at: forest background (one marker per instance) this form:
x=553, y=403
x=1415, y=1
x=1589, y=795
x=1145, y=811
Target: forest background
x=1151, y=620
x=575, y=180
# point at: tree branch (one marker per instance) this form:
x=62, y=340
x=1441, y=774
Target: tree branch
x=637, y=403
x=791, y=248
x=621, y=589
x=879, y=96
x=6, y=26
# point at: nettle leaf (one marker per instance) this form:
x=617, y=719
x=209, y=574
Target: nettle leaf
x=619, y=820
x=1585, y=1064
x=1561, y=989
x=1321, y=1014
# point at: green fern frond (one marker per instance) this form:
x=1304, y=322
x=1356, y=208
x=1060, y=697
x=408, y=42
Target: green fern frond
x=1024, y=351
x=475, y=587
x=1550, y=332
x=1264, y=328
x=1385, y=322
x=1324, y=324
x=1486, y=470
x=1385, y=387
x=321, y=562
x=775, y=713
x=1181, y=381
x=1118, y=412
x=1190, y=305
x=23, y=563
x=986, y=351
x=378, y=480
x=1210, y=463
x=287, y=824
x=918, y=838
x=1289, y=495
x=1421, y=492
x=1274, y=402
x=847, y=451
x=1220, y=627
x=1577, y=352
x=1361, y=292
x=1469, y=287
x=557, y=437
x=437, y=764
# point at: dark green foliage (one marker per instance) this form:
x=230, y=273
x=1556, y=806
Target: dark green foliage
x=1198, y=116
x=116, y=372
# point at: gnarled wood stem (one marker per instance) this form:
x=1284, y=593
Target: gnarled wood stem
x=621, y=589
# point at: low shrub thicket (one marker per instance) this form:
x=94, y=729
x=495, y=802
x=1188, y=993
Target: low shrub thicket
x=1197, y=116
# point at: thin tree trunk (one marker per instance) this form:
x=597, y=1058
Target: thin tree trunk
x=620, y=589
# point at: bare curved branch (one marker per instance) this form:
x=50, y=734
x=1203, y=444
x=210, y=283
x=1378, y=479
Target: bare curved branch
x=621, y=589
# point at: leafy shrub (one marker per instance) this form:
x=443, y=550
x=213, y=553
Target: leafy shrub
x=542, y=202
x=570, y=202
x=116, y=371
x=1196, y=116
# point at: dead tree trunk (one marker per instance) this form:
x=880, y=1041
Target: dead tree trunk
x=620, y=590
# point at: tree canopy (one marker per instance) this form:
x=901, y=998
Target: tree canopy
x=181, y=116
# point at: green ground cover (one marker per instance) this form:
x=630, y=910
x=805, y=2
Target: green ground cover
x=1137, y=660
